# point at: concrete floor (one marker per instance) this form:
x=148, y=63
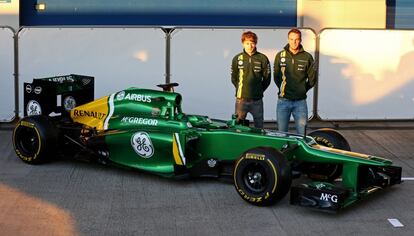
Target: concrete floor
x=68, y=197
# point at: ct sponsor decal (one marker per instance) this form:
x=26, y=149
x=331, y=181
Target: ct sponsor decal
x=33, y=108
x=69, y=103
x=28, y=88
x=38, y=90
x=139, y=121
x=142, y=145
x=282, y=59
x=240, y=62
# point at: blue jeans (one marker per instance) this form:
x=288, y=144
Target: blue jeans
x=255, y=107
x=297, y=108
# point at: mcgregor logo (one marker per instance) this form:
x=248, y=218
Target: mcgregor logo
x=142, y=145
x=140, y=121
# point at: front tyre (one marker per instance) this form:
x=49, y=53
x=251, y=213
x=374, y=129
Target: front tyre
x=35, y=139
x=262, y=176
x=323, y=171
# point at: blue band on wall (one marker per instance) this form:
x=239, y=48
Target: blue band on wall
x=146, y=13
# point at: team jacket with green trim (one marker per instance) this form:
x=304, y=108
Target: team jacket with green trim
x=250, y=75
x=294, y=74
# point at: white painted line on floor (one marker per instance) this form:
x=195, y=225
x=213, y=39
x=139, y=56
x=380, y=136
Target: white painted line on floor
x=395, y=223
x=402, y=178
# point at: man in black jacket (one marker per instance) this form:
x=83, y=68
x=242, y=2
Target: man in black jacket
x=294, y=74
x=250, y=75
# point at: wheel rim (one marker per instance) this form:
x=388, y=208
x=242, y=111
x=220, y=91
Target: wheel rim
x=28, y=142
x=255, y=178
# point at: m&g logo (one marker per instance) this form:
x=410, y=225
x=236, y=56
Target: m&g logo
x=329, y=197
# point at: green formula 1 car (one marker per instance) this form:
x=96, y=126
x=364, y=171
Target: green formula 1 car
x=147, y=130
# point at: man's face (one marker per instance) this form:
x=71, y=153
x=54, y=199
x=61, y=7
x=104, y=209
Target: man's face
x=294, y=41
x=249, y=46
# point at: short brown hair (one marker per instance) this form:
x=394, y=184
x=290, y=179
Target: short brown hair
x=249, y=35
x=295, y=31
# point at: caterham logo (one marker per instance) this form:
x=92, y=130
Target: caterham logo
x=142, y=145
x=211, y=163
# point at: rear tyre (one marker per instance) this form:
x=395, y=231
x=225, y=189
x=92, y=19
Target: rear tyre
x=327, y=172
x=262, y=176
x=35, y=139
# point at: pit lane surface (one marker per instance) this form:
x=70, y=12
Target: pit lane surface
x=68, y=197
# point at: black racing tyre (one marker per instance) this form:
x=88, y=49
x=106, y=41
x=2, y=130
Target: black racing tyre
x=330, y=138
x=262, y=176
x=35, y=139
x=327, y=172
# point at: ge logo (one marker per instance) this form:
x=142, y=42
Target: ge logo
x=33, y=108
x=142, y=145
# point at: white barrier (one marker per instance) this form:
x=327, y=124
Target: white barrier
x=200, y=63
x=366, y=74
x=117, y=57
x=363, y=74
x=6, y=75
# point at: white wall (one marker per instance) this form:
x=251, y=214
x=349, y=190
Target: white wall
x=363, y=74
x=6, y=75
x=366, y=74
x=118, y=58
x=201, y=59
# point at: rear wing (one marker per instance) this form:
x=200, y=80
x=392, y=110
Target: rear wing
x=57, y=95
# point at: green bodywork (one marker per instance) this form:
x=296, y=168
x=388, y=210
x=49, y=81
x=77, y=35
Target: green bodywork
x=141, y=126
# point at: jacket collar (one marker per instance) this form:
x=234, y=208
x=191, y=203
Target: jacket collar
x=255, y=52
x=300, y=49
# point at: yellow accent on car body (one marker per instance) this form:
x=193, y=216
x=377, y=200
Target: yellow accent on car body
x=92, y=114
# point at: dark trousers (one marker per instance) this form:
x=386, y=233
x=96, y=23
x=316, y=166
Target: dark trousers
x=255, y=107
